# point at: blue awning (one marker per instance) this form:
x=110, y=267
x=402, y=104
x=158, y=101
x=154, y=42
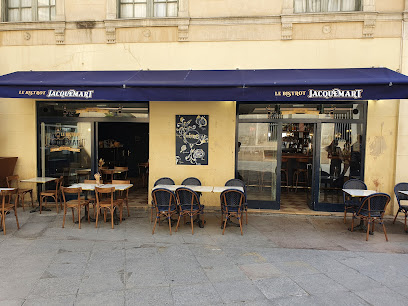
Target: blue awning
x=281, y=85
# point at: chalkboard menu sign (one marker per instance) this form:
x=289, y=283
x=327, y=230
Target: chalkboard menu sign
x=192, y=139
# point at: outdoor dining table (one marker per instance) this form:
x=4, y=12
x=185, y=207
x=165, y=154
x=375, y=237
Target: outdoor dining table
x=40, y=181
x=359, y=193
x=91, y=187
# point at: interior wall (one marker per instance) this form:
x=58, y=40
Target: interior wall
x=221, y=145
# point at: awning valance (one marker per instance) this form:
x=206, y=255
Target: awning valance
x=282, y=85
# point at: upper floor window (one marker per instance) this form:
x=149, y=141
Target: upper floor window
x=148, y=8
x=317, y=6
x=30, y=10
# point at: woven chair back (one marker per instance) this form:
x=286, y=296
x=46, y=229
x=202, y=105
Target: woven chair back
x=192, y=181
x=401, y=187
x=164, y=181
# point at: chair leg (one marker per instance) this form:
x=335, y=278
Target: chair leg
x=89, y=220
x=246, y=216
x=169, y=218
x=225, y=224
x=32, y=200
x=41, y=202
x=154, y=226
x=97, y=216
x=178, y=222
x=22, y=201
x=63, y=219
x=73, y=215
x=352, y=222
x=127, y=206
x=79, y=215
x=345, y=212
x=56, y=203
x=111, y=211
x=396, y=216
x=373, y=226
x=385, y=232
x=368, y=229
x=192, y=226
x=4, y=222
x=120, y=213
x=15, y=213
x=240, y=224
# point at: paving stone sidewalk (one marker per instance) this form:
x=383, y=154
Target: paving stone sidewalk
x=280, y=260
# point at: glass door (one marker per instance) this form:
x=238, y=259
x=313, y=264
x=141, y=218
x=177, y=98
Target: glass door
x=257, y=163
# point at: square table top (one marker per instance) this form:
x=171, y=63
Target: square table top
x=91, y=187
x=359, y=192
x=40, y=179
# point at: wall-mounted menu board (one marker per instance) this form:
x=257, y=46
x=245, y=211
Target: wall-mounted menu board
x=192, y=139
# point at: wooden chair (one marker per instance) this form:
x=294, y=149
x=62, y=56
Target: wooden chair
x=189, y=205
x=165, y=204
x=55, y=194
x=105, y=199
x=124, y=194
x=232, y=202
x=121, y=172
x=74, y=204
x=91, y=195
x=12, y=182
x=6, y=206
x=372, y=208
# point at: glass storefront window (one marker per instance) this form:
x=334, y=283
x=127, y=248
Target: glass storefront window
x=257, y=159
x=340, y=158
x=66, y=150
x=300, y=111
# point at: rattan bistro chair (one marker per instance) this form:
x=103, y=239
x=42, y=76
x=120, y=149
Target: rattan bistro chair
x=352, y=203
x=372, y=208
x=6, y=206
x=160, y=181
x=12, y=182
x=401, y=197
x=77, y=203
x=232, y=203
x=239, y=183
x=191, y=181
x=189, y=205
x=105, y=199
x=55, y=194
x=165, y=204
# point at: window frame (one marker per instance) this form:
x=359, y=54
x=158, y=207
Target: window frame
x=35, y=6
x=326, y=12
x=149, y=8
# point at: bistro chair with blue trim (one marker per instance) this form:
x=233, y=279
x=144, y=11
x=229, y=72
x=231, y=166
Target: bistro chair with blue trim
x=191, y=181
x=160, y=181
x=232, y=204
x=372, y=208
x=165, y=203
x=401, y=197
x=352, y=203
x=189, y=205
x=240, y=183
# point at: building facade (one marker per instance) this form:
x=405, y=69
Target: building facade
x=74, y=35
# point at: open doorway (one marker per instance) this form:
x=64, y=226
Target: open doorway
x=297, y=166
x=125, y=145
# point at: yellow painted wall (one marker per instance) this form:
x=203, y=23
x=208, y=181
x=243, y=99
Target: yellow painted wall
x=342, y=53
x=381, y=146
x=221, y=146
x=18, y=135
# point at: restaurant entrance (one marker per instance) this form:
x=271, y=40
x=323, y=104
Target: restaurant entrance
x=297, y=157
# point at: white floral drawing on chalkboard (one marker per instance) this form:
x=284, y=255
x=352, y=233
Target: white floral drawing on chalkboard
x=192, y=139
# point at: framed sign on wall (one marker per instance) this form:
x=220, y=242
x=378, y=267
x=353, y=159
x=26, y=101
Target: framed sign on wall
x=192, y=139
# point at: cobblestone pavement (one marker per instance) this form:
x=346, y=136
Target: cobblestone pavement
x=280, y=260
